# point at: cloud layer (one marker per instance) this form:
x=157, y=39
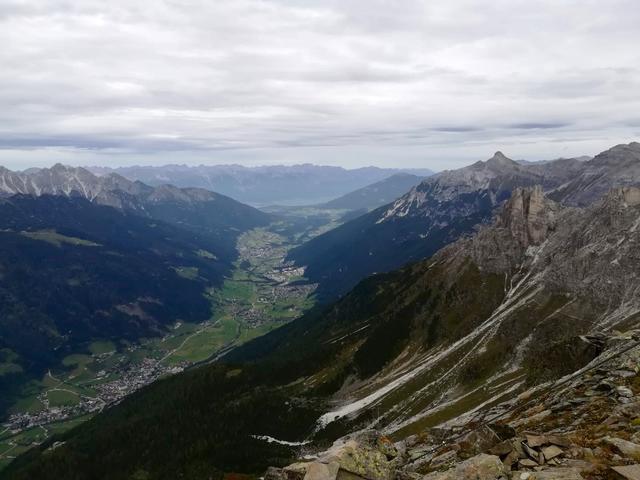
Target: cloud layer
x=352, y=82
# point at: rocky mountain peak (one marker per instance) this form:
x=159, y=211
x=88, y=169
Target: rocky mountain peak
x=622, y=155
x=529, y=215
x=498, y=156
x=500, y=160
x=59, y=167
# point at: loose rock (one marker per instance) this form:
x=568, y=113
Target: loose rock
x=480, y=467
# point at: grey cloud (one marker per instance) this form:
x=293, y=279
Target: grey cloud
x=252, y=80
x=538, y=125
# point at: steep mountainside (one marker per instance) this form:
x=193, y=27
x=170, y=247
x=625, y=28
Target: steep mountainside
x=583, y=426
x=431, y=215
x=618, y=166
x=72, y=271
x=469, y=328
x=269, y=185
x=375, y=195
x=199, y=210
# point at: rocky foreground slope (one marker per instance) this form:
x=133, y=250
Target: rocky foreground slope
x=583, y=426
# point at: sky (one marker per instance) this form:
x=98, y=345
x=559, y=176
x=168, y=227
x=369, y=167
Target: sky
x=408, y=83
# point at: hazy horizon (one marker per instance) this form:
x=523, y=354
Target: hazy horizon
x=451, y=165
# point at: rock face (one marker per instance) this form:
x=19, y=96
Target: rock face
x=529, y=216
x=591, y=252
x=365, y=456
x=616, y=167
x=70, y=181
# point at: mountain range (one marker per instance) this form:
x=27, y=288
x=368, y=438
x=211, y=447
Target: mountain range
x=217, y=216
x=514, y=299
x=269, y=185
x=419, y=223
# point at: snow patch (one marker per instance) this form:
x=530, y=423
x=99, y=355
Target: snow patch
x=270, y=439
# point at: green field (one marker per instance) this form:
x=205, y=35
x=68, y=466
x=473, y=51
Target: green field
x=13, y=445
x=57, y=239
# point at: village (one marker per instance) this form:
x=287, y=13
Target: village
x=128, y=378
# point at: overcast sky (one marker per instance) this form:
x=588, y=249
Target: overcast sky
x=347, y=82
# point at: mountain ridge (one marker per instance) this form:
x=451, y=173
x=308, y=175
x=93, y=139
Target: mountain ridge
x=196, y=209
x=432, y=214
x=375, y=195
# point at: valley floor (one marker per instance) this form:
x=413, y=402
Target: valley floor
x=263, y=293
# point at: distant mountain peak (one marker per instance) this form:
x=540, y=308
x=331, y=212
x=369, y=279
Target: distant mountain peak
x=623, y=154
x=499, y=156
x=499, y=159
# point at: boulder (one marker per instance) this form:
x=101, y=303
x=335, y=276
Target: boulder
x=551, y=451
x=502, y=448
x=477, y=441
x=480, y=467
x=533, y=454
x=444, y=459
x=559, y=441
x=556, y=474
x=511, y=458
x=274, y=473
x=322, y=471
x=527, y=463
x=361, y=460
x=624, y=392
x=535, y=441
x=624, y=447
x=296, y=471
x=419, y=453
x=628, y=472
x=386, y=446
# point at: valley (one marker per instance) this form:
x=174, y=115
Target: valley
x=263, y=293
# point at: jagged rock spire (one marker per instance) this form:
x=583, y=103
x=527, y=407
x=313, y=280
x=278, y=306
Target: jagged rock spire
x=529, y=215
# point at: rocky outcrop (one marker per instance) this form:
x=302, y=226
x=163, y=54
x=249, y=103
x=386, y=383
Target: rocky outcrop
x=529, y=216
x=616, y=167
x=366, y=455
x=591, y=430
x=481, y=467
